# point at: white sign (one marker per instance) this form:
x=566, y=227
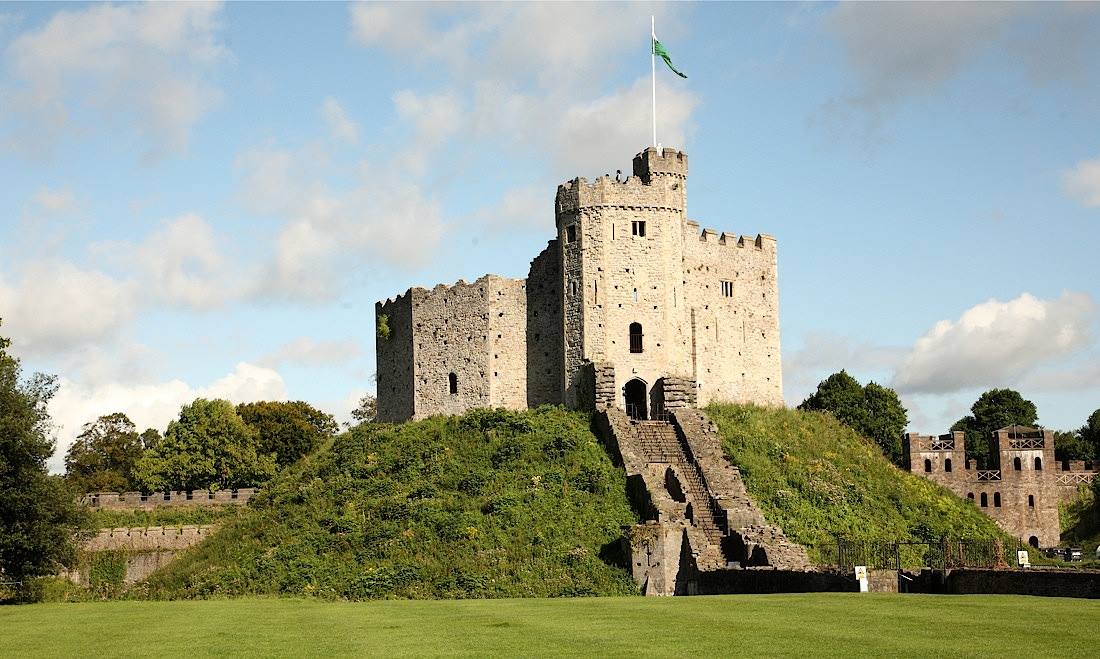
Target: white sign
x=861, y=577
x=1023, y=558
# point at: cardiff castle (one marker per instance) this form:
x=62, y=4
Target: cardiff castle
x=631, y=306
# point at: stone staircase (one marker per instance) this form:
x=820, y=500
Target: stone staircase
x=660, y=443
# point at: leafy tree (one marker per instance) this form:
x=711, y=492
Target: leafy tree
x=103, y=456
x=1090, y=433
x=367, y=410
x=208, y=447
x=288, y=430
x=150, y=439
x=38, y=513
x=1071, y=446
x=874, y=411
x=995, y=409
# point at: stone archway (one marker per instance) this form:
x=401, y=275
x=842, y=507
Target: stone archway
x=1033, y=541
x=635, y=396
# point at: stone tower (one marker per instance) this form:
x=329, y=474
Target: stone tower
x=631, y=306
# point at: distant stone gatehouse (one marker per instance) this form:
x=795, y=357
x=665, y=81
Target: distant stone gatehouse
x=631, y=306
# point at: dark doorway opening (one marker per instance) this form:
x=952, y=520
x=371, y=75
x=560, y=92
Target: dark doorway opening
x=1033, y=541
x=635, y=396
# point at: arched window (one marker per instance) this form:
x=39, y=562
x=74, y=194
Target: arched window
x=970, y=495
x=452, y=380
x=1016, y=464
x=985, y=500
x=947, y=464
x=1038, y=464
x=927, y=466
x=1031, y=501
x=996, y=499
x=635, y=337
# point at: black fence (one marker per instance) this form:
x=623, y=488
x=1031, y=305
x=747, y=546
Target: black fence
x=943, y=554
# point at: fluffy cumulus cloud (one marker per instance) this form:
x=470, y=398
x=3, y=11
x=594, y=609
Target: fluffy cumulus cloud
x=901, y=50
x=151, y=405
x=327, y=229
x=530, y=77
x=306, y=351
x=139, y=66
x=996, y=343
x=1083, y=182
x=52, y=306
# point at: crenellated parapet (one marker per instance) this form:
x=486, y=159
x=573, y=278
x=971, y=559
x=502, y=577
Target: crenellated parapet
x=659, y=183
x=138, y=501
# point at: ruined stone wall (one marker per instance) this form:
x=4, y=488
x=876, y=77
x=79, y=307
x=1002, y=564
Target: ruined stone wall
x=507, y=342
x=451, y=335
x=394, y=359
x=734, y=333
x=148, y=538
x=139, y=501
x=545, y=327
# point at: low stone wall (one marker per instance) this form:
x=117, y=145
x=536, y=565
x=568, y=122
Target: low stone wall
x=764, y=580
x=139, y=501
x=148, y=538
x=1046, y=583
x=145, y=549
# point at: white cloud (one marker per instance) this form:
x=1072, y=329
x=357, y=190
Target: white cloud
x=54, y=306
x=151, y=405
x=380, y=217
x=1083, y=182
x=53, y=201
x=139, y=65
x=310, y=352
x=340, y=125
x=435, y=119
x=821, y=355
x=182, y=264
x=995, y=343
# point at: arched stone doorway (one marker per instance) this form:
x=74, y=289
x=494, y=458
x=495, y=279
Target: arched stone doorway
x=1033, y=541
x=635, y=396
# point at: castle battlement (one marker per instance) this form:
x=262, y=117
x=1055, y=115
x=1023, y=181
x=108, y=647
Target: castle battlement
x=628, y=282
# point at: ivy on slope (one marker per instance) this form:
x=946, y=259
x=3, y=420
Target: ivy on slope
x=816, y=478
x=490, y=504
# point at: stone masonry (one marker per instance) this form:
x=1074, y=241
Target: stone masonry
x=1020, y=491
x=630, y=288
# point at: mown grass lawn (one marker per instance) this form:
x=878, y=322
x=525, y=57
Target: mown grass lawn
x=739, y=625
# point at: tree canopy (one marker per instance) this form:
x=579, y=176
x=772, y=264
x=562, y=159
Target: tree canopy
x=994, y=409
x=103, y=457
x=874, y=411
x=208, y=447
x=287, y=430
x=38, y=513
x=367, y=410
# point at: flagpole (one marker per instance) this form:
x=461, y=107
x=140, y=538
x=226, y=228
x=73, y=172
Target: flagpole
x=653, y=72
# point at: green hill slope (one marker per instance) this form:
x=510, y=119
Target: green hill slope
x=489, y=504
x=816, y=478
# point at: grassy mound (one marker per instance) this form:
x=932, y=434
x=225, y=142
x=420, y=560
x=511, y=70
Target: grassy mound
x=490, y=504
x=816, y=478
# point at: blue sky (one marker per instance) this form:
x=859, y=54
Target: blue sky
x=208, y=199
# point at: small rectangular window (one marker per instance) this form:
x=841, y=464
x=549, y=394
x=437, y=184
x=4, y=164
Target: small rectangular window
x=571, y=233
x=637, y=228
x=727, y=289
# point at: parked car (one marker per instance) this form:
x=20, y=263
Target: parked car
x=1073, y=553
x=1055, y=552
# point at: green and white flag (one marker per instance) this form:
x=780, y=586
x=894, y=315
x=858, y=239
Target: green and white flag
x=660, y=51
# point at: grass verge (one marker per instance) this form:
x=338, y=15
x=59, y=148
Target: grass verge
x=819, y=625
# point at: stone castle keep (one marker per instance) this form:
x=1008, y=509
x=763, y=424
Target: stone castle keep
x=631, y=306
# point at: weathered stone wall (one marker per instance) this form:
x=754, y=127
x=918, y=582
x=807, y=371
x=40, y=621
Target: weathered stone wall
x=451, y=335
x=735, y=338
x=507, y=342
x=394, y=359
x=137, y=500
x=1033, y=581
x=1020, y=491
x=544, y=328
x=148, y=538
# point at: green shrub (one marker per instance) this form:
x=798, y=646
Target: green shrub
x=495, y=503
